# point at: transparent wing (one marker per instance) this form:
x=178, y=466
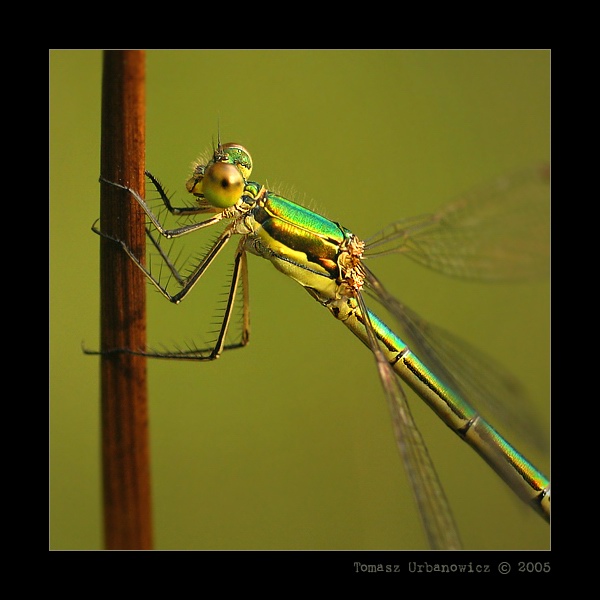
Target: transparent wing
x=479, y=379
x=500, y=231
x=497, y=232
x=432, y=504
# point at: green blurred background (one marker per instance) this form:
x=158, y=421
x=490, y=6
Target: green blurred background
x=287, y=444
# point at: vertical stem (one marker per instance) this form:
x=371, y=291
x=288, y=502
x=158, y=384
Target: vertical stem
x=125, y=456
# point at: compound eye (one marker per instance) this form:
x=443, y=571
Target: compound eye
x=222, y=185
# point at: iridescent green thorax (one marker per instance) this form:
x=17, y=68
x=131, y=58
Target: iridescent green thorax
x=299, y=242
x=300, y=230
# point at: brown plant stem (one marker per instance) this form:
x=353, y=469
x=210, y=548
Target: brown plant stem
x=125, y=455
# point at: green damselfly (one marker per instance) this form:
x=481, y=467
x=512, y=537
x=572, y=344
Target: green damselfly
x=499, y=231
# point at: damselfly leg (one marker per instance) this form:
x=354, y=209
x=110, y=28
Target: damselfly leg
x=239, y=273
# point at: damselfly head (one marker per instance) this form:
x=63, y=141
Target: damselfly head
x=222, y=180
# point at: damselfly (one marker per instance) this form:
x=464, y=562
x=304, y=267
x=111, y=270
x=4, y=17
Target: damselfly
x=498, y=232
